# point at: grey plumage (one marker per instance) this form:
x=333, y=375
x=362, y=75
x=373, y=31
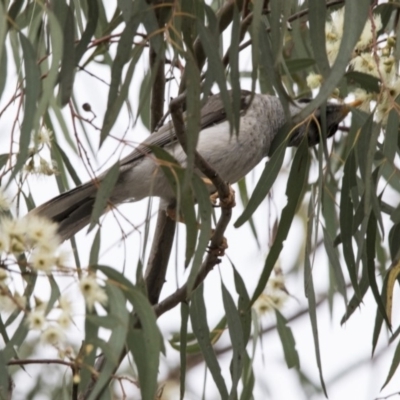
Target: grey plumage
x=232, y=156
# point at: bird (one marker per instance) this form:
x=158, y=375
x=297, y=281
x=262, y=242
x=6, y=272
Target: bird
x=231, y=155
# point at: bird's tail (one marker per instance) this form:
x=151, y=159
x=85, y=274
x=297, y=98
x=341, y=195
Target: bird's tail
x=71, y=210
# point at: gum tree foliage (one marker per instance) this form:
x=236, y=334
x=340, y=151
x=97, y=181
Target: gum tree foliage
x=46, y=46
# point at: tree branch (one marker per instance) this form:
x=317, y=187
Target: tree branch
x=227, y=202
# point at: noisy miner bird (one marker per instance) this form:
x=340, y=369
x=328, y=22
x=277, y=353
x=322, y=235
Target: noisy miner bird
x=232, y=156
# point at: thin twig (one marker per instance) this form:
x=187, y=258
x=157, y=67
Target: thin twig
x=42, y=361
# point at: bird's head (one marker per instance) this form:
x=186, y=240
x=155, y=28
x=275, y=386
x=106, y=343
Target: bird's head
x=312, y=126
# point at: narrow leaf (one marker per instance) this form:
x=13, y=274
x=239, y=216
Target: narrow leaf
x=287, y=340
x=104, y=193
x=198, y=318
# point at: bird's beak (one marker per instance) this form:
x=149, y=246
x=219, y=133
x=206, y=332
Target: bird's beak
x=347, y=107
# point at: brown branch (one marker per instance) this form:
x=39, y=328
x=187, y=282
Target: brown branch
x=42, y=361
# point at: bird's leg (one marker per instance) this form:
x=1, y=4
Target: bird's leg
x=228, y=202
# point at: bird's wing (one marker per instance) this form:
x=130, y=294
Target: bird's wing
x=213, y=112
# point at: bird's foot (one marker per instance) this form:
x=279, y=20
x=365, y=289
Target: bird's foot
x=227, y=202
x=213, y=199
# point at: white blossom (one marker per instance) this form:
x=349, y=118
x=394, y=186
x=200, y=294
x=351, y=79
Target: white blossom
x=36, y=320
x=92, y=292
x=65, y=304
x=367, y=33
x=365, y=99
x=45, y=136
x=314, y=80
x=53, y=335
x=42, y=232
x=64, y=320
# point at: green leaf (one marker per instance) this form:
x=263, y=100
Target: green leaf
x=269, y=64
x=3, y=159
x=215, y=67
x=95, y=249
x=287, y=340
x=88, y=351
x=264, y=184
x=255, y=32
x=335, y=264
x=122, y=57
x=56, y=38
x=193, y=346
x=346, y=219
x=116, y=98
x=294, y=189
x=126, y=7
x=394, y=366
x=198, y=318
x=193, y=108
x=104, y=193
x=356, y=300
x=366, y=81
x=68, y=57
x=310, y=293
x=17, y=339
x=299, y=64
x=391, y=131
x=370, y=251
x=4, y=378
x=317, y=20
x=244, y=306
x=32, y=91
x=144, y=100
x=66, y=162
x=55, y=294
x=92, y=18
x=183, y=344
x=247, y=379
x=205, y=212
x=144, y=343
x=113, y=348
x=234, y=67
x=236, y=335
x=3, y=66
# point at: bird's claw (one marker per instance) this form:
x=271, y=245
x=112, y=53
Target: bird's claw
x=227, y=202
